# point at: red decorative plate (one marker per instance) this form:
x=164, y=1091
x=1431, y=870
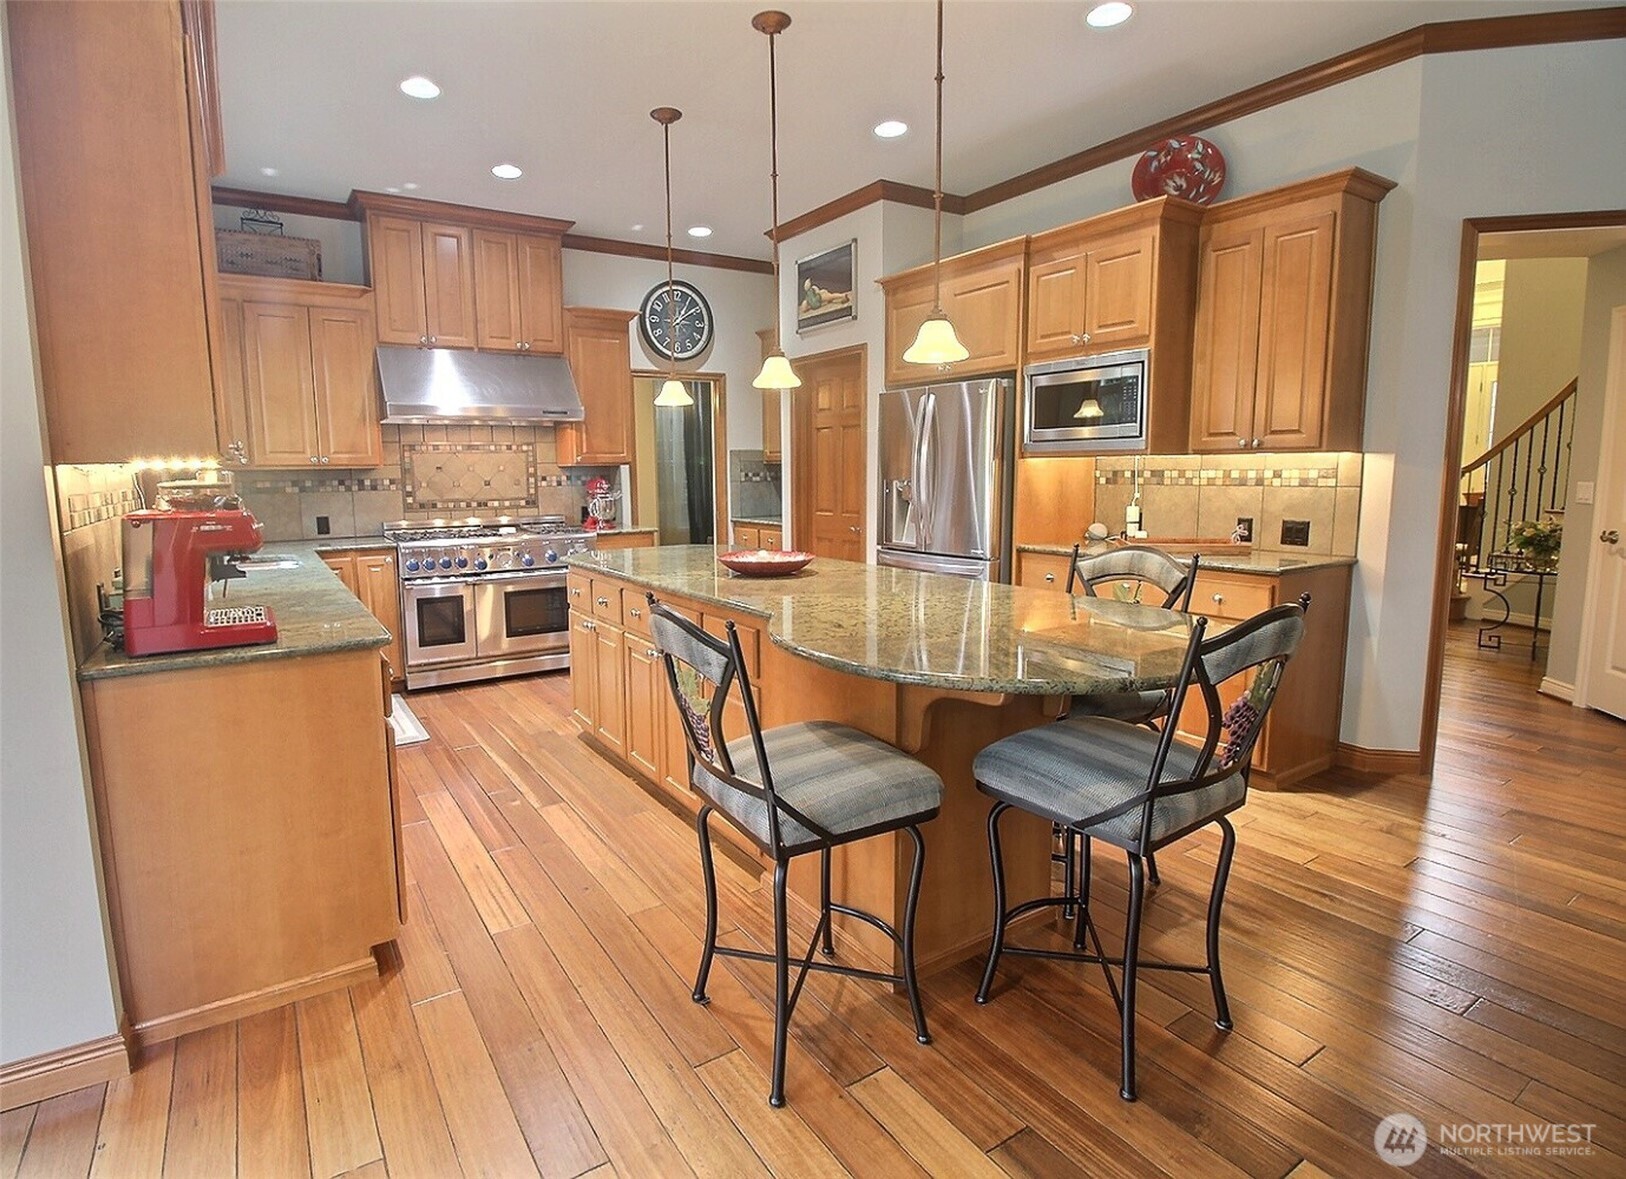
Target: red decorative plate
x=1184, y=166
x=765, y=562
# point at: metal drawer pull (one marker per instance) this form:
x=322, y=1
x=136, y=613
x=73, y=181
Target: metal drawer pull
x=1219, y=599
x=635, y=612
x=1050, y=577
x=602, y=601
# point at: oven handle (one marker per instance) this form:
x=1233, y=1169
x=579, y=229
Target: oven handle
x=557, y=575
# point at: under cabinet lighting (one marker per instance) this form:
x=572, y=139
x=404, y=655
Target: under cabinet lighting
x=419, y=86
x=1105, y=16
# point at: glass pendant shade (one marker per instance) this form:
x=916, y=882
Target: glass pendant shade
x=936, y=343
x=777, y=374
x=1090, y=410
x=674, y=393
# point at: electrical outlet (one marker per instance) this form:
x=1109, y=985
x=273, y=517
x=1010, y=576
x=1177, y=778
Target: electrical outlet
x=1296, y=533
x=1244, y=529
x=324, y=526
x=1584, y=491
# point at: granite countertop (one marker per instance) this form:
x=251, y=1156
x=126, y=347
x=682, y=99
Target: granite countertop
x=759, y=521
x=336, y=544
x=926, y=628
x=314, y=612
x=622, y=531
x=1262, y=562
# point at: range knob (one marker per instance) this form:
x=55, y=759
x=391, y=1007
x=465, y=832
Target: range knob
x=527, y=560
x=445, y=562
x=550, y=556
x=461, y=562
x=479, y=564
x=412, y=565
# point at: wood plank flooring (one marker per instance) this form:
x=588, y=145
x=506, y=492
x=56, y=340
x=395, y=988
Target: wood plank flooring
x=1455, y=952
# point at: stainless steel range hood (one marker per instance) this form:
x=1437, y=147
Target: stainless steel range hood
x=459, y=385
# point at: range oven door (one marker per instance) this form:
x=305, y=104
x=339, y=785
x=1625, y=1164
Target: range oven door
x=522, y=614
x=439, y=621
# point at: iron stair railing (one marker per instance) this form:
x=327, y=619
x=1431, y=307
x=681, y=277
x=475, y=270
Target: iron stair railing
x=1525, y=476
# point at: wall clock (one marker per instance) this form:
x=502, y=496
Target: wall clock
x=691, y=325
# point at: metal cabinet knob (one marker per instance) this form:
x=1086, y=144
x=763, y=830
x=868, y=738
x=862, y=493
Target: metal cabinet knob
x=1242, y=442
x=652, y=653
x=324, y=458
x=431, y=339
x=854, y=528
x=1219, y=599
x=1609, y=536
x=423, y=339
x=1258, y=442
x=313, y=458
x=1050, y=577
x=389, y=560
x=635, y=612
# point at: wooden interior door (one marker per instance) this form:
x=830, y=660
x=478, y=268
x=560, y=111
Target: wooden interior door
x=829, y=431
x=346, y=393
x=277, y=377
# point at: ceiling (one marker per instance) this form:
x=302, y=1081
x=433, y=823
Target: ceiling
x=1552, y=243
x=563, y=89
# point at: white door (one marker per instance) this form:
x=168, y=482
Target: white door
x=1603, y=634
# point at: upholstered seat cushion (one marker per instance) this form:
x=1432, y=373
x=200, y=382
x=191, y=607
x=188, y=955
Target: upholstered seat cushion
x=845, y=781
x=1133, y=707
x=1079, y=767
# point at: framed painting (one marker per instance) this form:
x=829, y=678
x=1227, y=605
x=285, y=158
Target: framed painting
x=824, y=283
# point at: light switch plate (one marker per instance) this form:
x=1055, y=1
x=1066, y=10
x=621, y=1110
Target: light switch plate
x=1296, y=533
x=1584, y=491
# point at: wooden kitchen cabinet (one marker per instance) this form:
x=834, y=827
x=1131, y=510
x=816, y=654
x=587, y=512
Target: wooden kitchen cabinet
x=647, y=700
x=609, y=689
x=305, y=372
x=771, y=539
x=423, y=273
x=1042, y=570
x=598, y=348
x=583, y=668
x=773, y=450
x=107, y=118
x=448, y=285
x=518, y=284
x=747, y=536
x=982, y=296
x=1284, y=316
x=371, y=575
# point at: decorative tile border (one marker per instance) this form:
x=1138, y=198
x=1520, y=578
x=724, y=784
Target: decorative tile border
x=453, y=477
x=261, y=485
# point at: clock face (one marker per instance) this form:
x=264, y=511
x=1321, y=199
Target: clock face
x=676, y=324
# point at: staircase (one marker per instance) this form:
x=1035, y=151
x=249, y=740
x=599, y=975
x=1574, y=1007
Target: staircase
x=1525, y=476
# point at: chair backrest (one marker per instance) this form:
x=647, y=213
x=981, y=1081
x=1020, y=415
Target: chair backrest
x=1138, y=563
x=1263, y=644
x=702, y=670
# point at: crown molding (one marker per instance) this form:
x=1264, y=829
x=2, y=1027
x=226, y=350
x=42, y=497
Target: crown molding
x=610, y=245
x=277, y=202
x=368, y=204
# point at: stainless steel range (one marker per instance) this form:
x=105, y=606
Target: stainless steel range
x=484, y=598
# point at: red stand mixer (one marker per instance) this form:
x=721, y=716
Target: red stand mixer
x=170, y=557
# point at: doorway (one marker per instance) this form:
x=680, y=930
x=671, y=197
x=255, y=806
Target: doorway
x=829, y=440
x=1522, y=445
x=679, y=461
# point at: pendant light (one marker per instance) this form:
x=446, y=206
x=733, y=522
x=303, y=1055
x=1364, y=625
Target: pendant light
x=776, y=371
x=673, y=391
x=936, y=342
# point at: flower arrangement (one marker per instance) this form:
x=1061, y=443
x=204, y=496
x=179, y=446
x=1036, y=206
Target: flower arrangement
x=1537, y=541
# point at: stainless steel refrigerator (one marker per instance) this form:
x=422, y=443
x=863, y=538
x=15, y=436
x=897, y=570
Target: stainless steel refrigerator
x=946, y=467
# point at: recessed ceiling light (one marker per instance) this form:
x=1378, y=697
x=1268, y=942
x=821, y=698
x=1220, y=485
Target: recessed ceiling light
x=891, y=128
x=699, y=231
x=1113, y=12
x=268, y=171
x=410, y=185
x=392, y=188
x=507, y=172
x=639, y=228
x=418, y=86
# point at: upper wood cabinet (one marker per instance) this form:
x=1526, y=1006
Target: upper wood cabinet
x=598, y=347
x=1113, y=281
x=982, y=296
x=517, y=283
x=106, y=114
x=772, y=448
x=304, y=372
x=423, y=273
x=1284, y=316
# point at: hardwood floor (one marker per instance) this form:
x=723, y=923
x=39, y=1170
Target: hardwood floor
x=1455, y=953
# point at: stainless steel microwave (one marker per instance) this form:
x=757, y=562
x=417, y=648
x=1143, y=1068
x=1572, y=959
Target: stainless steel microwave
x=1089, y=403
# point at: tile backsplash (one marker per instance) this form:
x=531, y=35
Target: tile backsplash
x=1205, y=496
x=754, y=486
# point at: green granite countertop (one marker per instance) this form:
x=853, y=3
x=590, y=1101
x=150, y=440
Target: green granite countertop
x=926, y=628
x=1262, y=562
x=315, y=614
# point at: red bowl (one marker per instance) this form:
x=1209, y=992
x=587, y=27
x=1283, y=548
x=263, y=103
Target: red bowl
x=764, y=562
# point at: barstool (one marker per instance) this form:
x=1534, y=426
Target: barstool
x=791, y=790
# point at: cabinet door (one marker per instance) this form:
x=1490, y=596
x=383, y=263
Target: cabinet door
x=541, y=294
x=986, y=310
x=496, y=290
x=609, y=689
x=448, y=285
x=1118, y=292
x=281, y=394
x=1225, y=356
x=771, y=539
x=379, y=588
x=646, y=674
x=747, y=537
x=1056, y=294
x=1294, y=321
x=395, y=269
x=601, y=363
x=345, y=389
x=583, y=665
x=772, y=447
x=237, y=435
x=343, y=564
x=907, y=307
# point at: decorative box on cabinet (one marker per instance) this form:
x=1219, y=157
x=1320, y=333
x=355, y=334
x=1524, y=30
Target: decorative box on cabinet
x=982, y=295
x=600, y=354
x=1284, y=316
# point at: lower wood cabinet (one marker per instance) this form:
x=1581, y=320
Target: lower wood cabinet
x=372, y=577
x=609, y=688
x=624, y=540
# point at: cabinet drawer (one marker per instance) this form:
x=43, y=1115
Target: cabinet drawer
x=577, y=588
x=635, y=610
x=1042, y=571
x=606, y=600
x=1234, y=599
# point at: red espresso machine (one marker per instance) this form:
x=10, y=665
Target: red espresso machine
x=170, y=559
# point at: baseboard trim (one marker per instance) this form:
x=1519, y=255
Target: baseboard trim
x=1379, y=761
x=168, y=1027
x=1557, y=689
x=51, y=1074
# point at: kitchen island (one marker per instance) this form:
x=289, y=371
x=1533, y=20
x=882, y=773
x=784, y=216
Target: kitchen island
x=246, y=807
x=936, y=666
